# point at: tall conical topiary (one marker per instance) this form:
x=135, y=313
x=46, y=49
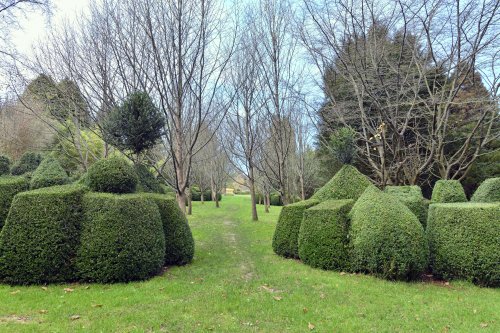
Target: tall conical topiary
x=448, y=191
x=348, y=183
x=488, y=191
x=49, y=173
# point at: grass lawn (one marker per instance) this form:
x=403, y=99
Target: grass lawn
x=236, y=283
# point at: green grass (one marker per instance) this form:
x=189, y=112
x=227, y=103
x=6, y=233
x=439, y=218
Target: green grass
x=237, y=284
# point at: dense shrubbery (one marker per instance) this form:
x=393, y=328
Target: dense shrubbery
x=147, y=181
x=4, y=165
x=386, y=237
x=112, y=175
x=412, y=197
x=39, y=240
x=464, y=241
x=488, y=191
x=348, y=183
x=49, y=173
x=122, y=238
x=448, y=191
x=27, y=163
x=207, y=194
x=9, y=187
x=323, y=236
x=285, y=239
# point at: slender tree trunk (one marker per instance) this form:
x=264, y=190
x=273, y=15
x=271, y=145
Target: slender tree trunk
x=181, y=200
x=251, y=183
x=217, y=205
x=302, y=190
x=267, y=202
x=190, y=202
x=202, y=197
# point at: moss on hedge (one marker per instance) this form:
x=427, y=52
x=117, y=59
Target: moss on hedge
x=28, y=162
x=323, y=235
x=488, y=191
x=122, y=238
x=113, y=175
x=348, y=183
x=147, y=181
x=9, y=187
x=448, y=191
x=464, y=240
x=39, y=240
x=285, y=239
x=412, y=197
x=387, y=239
x=49, y=173
x=4, y=165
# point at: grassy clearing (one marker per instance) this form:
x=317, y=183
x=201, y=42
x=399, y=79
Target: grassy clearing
x=236, y=283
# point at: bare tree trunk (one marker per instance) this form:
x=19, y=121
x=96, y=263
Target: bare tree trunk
x=251, y=184
x=267, y=202
x=181, y=200
x=190, y=202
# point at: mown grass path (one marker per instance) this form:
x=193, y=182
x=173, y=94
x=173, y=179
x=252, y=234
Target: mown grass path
x=237, y=284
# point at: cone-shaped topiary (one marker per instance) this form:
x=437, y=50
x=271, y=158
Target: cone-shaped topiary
x=488, y=191
x=286, y=235
x=4, y=165
x=113, y=175
x=9, y=187
x=386, y=237
x=348, y=183
x=49, y=173
x=27, y=163
x=412, y=197
x=147, y=181
x=323, y=235
x=448, y=191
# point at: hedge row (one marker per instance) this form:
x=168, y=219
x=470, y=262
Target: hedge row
x=411, y=197
x=9, y=187
x=347, y=183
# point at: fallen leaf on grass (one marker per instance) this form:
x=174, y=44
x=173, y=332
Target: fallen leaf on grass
x=305, y=310
x=311, y=326
x=97, y=305
x=269, y=289
x=43, y=311
x=68, y=290
x=483, y=325
x=278, y=298
x=322, y=296
x=15, y=292
x=74, y=317
x=343, y=273
x=45, y=288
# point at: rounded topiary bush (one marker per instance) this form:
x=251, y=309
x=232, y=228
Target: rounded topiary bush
x=39, y=240
x=464, y=241
x=412, y=197
x=122, y=238
x=4, y=165
x=179, y=242
x=49, y=173
x=9, y=187
x=286, y=234
x=323, y=235
x=387, y=239
x=147, y=181
x=27, y=163
x=448, y=191
x=113, y=175
x=347, y=183
x=488, y=191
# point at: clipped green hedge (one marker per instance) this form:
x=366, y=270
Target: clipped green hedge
x=179, y=242
x=488, y=191
x=122, y=238
x=147, y=181
x=9, y=187
x=448, y=191
x=464, y=241
x=207, y=194
x=39, y=240
x=348, y=183
x=28, y=162
x=112, y=175
x=49, y=173
x=412, y=197
x=4, y=165
x=323, y=235
x=286, y=235
x=387, y=239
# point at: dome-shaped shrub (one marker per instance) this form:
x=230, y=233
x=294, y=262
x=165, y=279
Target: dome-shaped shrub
x=9, y=187
x=122, y=238
x=49, y=173
x=348, y=183
x=386, y=237
x=179, y=242
x=488, y=191
x=27, y=163
x=448, y=191
x=147, y=181
x=4, y=165
x=113, y=175
x=412, y=197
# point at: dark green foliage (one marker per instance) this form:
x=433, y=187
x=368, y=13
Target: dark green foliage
x=286, y=235
x=27, y=163
x=122, y=238
x=39, y=240
x=136, y=125
x=275, y=199
x=412, y=197
x=323, y=236
x=448, y=191
x=207, y=194
x=112, y=175
x=464, y=241
x=343, y=144
x=9, y=187
x=348, y=183
x=488, y=191
x=387, y=239
x=4, y=165
x=49, y=173
x=147, y=181
x=179, y=242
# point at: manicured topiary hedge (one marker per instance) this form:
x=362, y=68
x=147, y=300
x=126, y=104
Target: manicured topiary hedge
x=39, y=240
x=9, y=187
x=488, y=191
x=113, y=175
x=179, y=242
x=147, y=181
x=412, y=197
x=464, y=240
x=49, y=173
x=122, y=238
x=323, y=235
x=448, y=191
x=4, y=165
x=386, y=237
x=348, y=183
x=27, y=163
x=285, y=239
